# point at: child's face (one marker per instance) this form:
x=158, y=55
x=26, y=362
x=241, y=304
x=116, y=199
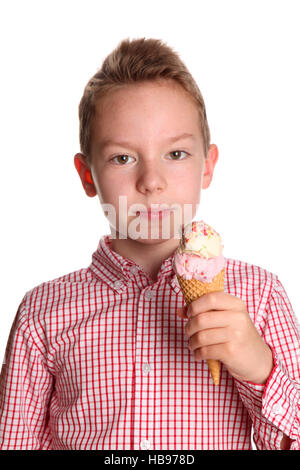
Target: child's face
x=140, y=162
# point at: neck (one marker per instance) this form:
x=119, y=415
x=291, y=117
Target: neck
x=148, y=254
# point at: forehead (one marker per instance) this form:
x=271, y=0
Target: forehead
x=145, y=94
x=149, y=109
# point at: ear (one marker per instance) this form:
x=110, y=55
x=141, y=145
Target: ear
x=209, y=165
x=85, y=174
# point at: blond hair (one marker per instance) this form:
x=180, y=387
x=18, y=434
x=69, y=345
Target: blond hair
x=138, y=60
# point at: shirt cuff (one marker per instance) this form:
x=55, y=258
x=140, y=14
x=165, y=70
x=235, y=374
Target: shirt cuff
x=280, y=404
x=277, y=401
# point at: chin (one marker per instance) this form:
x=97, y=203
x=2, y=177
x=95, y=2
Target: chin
x=152, y=241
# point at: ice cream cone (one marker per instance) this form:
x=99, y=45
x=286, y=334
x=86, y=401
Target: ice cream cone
x=192, y=289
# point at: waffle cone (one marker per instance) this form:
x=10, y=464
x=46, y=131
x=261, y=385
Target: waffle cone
x=192, y=289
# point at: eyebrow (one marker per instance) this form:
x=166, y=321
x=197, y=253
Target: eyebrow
x=107, y=142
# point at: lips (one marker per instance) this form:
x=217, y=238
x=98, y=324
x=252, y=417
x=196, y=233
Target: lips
x=157, y=208
x=154, y=213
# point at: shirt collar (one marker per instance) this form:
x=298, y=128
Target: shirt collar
x=116, y=271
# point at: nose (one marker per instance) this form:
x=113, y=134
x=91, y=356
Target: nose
x=151, y=178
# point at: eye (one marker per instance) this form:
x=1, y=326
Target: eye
x=122, y=159
x=177, y=156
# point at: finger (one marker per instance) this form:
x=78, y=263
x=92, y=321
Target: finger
x=208, y=338
x=206, y=320
x=215, y=351
x=214, y=301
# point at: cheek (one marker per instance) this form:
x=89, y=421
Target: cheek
x=195, y=188
x=186, y=190
x=187, y=185
x=110, y=187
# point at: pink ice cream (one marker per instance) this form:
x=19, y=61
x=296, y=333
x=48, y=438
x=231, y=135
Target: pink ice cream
x=199, y=254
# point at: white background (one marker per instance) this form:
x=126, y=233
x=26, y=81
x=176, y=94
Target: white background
x=244, y=56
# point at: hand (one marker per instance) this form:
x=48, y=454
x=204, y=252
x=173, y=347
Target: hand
x=220, y=327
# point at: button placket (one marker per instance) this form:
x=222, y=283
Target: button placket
x=144, y=378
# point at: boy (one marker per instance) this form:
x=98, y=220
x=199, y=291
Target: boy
x=107, y=357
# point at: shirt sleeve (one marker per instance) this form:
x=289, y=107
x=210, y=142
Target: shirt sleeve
x=25, y=389
x=274, y=407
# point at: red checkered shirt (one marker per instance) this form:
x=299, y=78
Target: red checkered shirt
x=98, y=359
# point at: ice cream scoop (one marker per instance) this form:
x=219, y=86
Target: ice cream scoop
x=199, y=254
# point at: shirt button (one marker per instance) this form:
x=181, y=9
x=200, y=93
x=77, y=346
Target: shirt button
x=146, y=368
x=134, y=269
x=149, y=294
x=145, y=444
x=118, y=284
x=278, y=410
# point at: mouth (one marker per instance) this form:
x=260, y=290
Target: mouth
x=154, y=213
